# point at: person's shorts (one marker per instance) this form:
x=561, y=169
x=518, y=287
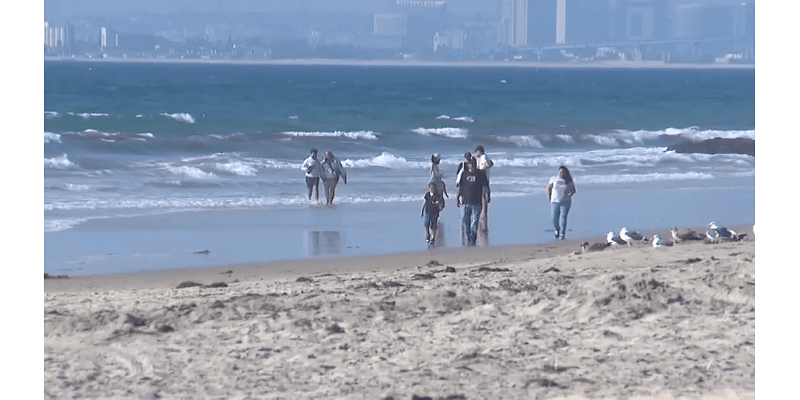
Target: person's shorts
x=311, y=182
x=430, y=221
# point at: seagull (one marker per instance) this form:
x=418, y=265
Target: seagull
x=631, y=236
x=586, y=247
x=613, y=239
x=680, y=235
x=658, y=241
x=723, y=232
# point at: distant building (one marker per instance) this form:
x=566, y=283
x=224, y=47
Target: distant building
x=109, y=39
x=514, y=23
x=449, y=40
x=389, y=24
x=58, y=39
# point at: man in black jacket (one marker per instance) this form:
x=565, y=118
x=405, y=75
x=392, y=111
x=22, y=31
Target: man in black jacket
x=471, y=187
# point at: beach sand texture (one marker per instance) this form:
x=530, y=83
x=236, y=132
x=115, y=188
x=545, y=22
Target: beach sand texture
x=522, y=322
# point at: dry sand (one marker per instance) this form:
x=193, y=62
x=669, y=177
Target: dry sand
x=512, y=322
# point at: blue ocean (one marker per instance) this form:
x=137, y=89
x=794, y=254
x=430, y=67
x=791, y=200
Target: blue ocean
x=143, y=150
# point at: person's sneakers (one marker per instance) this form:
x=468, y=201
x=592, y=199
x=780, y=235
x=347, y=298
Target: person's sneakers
x=427, y=238
x=557, y=234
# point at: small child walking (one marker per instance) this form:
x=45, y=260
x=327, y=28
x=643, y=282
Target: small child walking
x=433, y=203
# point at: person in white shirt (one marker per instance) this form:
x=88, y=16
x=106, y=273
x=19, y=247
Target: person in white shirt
x=559, y=191
x=311, y=168
x=484, y=164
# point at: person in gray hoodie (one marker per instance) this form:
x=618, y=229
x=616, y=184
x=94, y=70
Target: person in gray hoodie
x=331, y=171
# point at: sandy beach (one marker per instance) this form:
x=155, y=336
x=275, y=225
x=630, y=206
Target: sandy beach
x=538, y=321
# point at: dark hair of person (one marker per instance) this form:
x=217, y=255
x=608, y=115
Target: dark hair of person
x=467, y=155
x=567, y=175
x=479, y=148
x=313, y=151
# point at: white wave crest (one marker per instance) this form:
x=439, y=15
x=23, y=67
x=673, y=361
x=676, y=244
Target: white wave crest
x=237, y=168
x=146, y=134
x=182, y=117
x=51, y=114
x=522, y=141
x=462, y=119
x=87, y=115
x=455, y=133
x=58, y=162
x=52, y=137
x=385, y=160
x=191, y=172
x=350, y=135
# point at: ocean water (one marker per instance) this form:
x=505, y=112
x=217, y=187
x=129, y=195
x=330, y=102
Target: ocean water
x=132, y=145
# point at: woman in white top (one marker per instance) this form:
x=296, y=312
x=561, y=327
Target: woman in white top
x=559, y=191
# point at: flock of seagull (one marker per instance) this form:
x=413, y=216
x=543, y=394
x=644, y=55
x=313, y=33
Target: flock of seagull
x=625, y=237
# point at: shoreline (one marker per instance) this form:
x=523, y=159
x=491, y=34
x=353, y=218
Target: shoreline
x=415, y=63
x=371, y=263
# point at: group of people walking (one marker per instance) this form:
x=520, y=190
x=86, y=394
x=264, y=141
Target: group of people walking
x=473, y=192
x=329, y=170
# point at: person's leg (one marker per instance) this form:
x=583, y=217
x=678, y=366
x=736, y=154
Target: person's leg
x=334, y=182
x=555, y=210
x=433, y=226
x=564, y=211
x=466, y=214
x=474, y=220
x=426, y=222
x=315, y=188
x=328, y=183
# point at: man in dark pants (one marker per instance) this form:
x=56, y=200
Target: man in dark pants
x=471, y=187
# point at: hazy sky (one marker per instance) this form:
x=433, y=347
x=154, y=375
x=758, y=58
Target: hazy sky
x=60, y=9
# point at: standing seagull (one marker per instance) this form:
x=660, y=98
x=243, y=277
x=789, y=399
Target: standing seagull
x=631, y=236
x=658, y=241
x=681, y=235
x=613, y=239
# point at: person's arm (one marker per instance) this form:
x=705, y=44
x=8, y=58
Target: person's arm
x=422, y=211
x=572, y=189
x=459, y=194
x=549, y=191
x=488, y=189
x=341, y=171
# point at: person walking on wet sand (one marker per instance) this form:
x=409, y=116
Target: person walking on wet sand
x=311, y=168
x=471, y=187
x=484, y=164
x=331, y=170
x=559, y=191
x=432, y=204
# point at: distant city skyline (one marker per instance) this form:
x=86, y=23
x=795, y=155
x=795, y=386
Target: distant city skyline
x=56, y=10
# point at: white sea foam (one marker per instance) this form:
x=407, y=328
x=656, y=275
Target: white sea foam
x=191, y=172
x=455, y=133
x=87, y=115
x=350, y=135
x=385, y=160
x=51, y=114
x=146, y=134
x=56, y=225
x=521, y=141
x=462, y=119
x=237, y=168
x=52, y=137
x=58, y=162
x=183, y=117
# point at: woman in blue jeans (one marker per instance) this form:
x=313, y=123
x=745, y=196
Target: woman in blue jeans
x=559, y=191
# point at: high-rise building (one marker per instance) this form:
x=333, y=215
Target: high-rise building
x=389, y=24
x=514, y=23
x=109, y=39
x=561, y=21
x=58, y=38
